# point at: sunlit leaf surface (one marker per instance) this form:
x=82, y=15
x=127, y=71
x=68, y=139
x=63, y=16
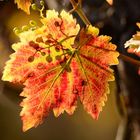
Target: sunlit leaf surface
x=57, y=68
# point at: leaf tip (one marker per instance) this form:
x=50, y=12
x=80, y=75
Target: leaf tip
x=24, y=5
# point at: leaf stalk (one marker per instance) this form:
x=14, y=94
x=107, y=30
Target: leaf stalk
x=77, y=7
x=129, y=59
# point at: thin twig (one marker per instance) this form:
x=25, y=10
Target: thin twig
x=129, y=59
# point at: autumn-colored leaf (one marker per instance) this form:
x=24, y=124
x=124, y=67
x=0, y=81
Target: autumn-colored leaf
x=39, y=61
x=56, y=69
x=134, y=44
x=94, y=58
x=24, y=5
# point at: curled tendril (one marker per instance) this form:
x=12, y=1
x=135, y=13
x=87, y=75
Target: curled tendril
x=36, y=8
x=31, y=26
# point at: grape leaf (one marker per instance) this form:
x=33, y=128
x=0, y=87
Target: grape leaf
x=56, y=69
x=24, y=5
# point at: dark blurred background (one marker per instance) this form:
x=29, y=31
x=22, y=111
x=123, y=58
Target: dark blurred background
x=120, y=119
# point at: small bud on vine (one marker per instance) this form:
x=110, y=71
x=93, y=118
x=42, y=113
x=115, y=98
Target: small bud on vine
x=58, y=57
x=49, y=59
x=34, y=45
x=31, y=59
x=39, y=39
x=57, y=49
x=84, y=83
x=47, y=42
x=49, y=36
x=43, y=53
x=56, y=23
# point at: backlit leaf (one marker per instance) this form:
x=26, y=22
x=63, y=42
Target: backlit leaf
x=56, y=69
x=134, y=44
